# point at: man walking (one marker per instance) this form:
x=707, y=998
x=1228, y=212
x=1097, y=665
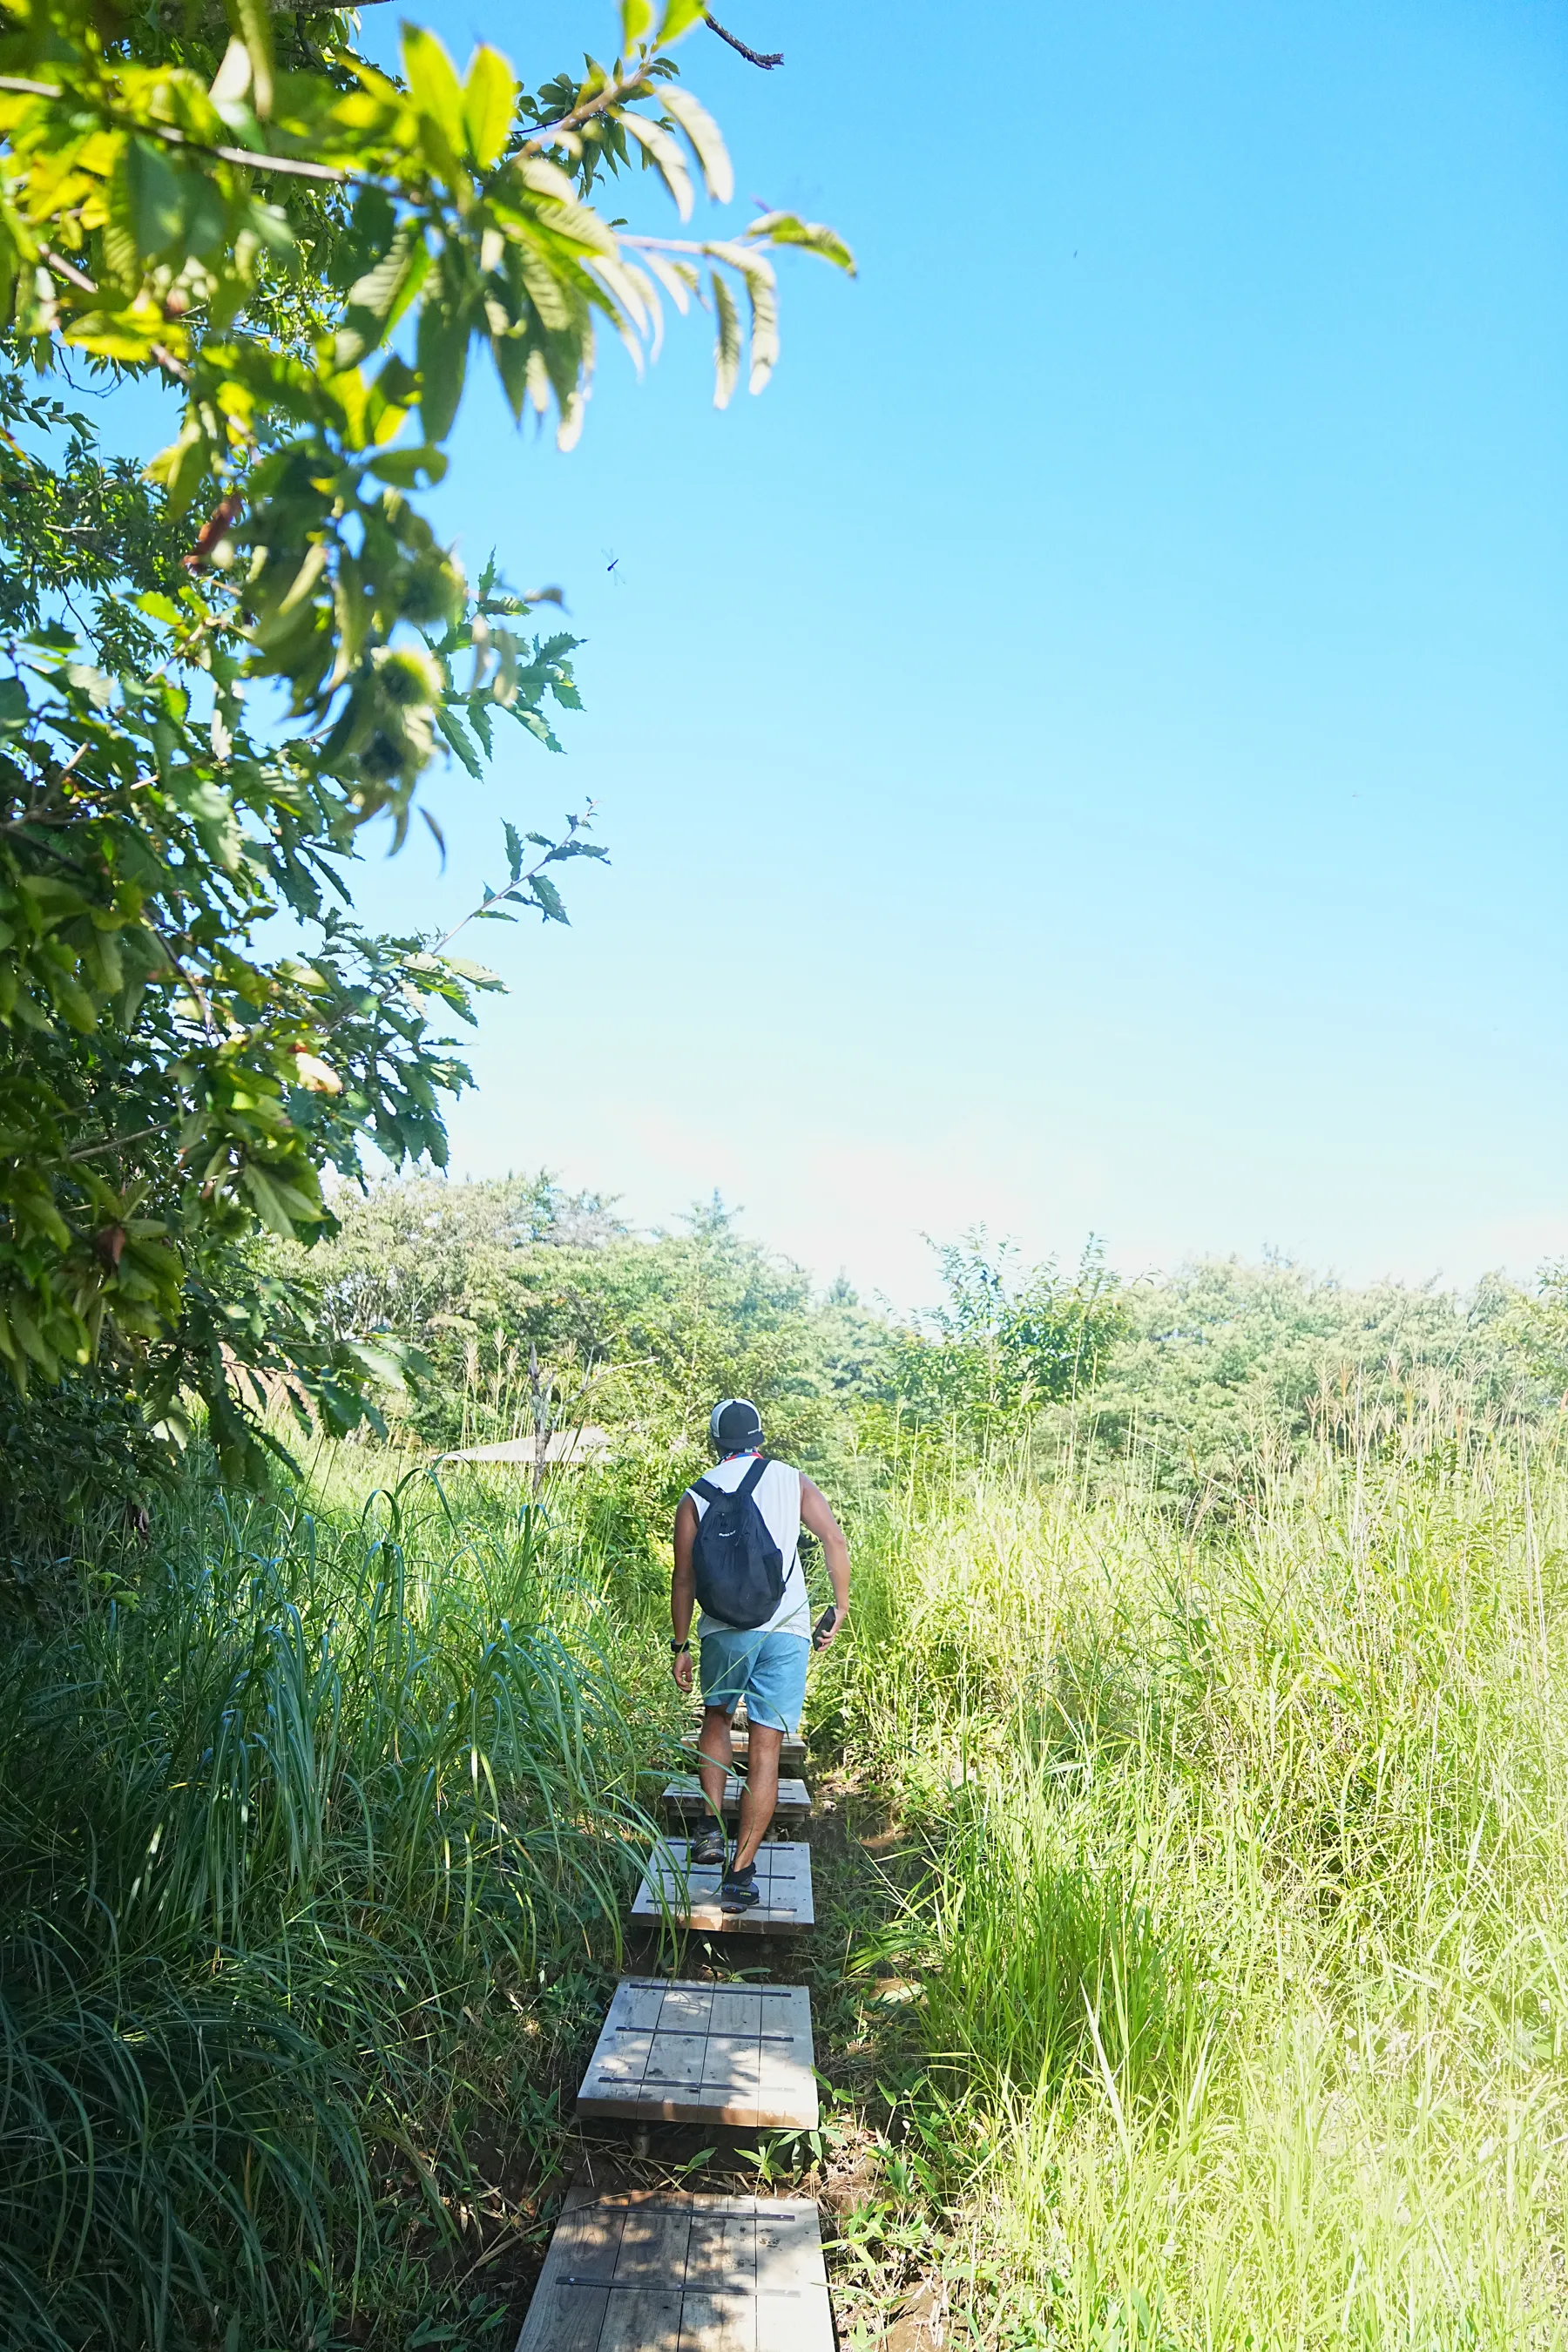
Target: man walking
x=742, y=1564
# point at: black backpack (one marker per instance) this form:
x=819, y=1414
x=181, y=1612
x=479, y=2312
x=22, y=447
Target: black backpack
x=738, y=1569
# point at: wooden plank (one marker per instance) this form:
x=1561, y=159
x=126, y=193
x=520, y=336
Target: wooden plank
x=645, y=2319
x=654, y=2241
x=718, y=2323
x=571, y=2301
x=685, y=1797
x=737, y=2055
x=671, y=1889
x=745, y=2274
x=792, y=1752
x=793, y=2309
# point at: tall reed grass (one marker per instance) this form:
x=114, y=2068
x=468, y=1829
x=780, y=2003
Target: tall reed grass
x=1239, y=1914
x=1242, y=1929
x=293, y=1834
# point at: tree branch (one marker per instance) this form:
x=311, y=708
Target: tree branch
x=636, y=86
x=292, y=166
x=85, y=285
x=766, y=59
x=114, y=1142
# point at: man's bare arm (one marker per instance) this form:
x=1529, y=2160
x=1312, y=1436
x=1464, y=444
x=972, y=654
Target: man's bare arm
x=817, y=1513
x=683, y=1589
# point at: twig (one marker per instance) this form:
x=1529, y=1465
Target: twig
x=499, y=898
x=766, y=59
x=85, y=285
x=114, y=1143
x=292, y=166
x=636, y=86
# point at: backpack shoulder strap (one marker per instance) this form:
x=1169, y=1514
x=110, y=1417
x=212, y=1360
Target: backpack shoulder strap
x=748, y=1485
x=700, y=1487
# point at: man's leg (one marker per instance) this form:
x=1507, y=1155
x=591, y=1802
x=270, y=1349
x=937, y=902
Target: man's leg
x=760, y=1795
x=716, y=1750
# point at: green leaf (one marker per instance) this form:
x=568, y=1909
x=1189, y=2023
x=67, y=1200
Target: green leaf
x=678, y=17
x=547, y=899
x=490, y=105
x=152, y=193
x=727, y=343
x=377, y=299
x=637, y=15
x=665, y=155
x=252, y=20
x=268, y=1199
x=409, y=469
x=14, y=708
x=443, y=354
x=456, y=734
x=707, y=142
x=514, y=850
x=433, y=84
x=788, y=228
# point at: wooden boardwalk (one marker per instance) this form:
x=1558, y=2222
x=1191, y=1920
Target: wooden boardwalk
x=662, y=2271
x=792, y=1750
x=736, y=2055
x=672, y=1891
x=652, y=2271
x=684, y=1796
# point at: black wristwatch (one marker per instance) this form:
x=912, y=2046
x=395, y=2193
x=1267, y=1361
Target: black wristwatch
x=676, y=1647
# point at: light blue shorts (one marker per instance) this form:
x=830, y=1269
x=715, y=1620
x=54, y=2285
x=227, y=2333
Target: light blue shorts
x=766, y=1670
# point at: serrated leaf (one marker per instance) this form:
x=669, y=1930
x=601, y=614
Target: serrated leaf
x=232, y=79
x=377, y=301
x=456, y=734
x=762, y=290
x=268, y=1199
x=490, y=105
x=678, y=17
x=443, y=355
x=707, y=142
x=433, y=84
x=665, y=156
x=547, y=899
x=727, y=342
x=252, y=20
x=409, y=469
x=513, y=848
x=152, y=194
x=815, y=237
x=678, y=279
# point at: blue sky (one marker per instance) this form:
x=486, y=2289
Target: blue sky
x=1086, y=750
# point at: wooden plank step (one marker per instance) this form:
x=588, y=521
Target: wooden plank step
x=792, y=1750
x=649, y=2270
x=690, y=1898
x=685, y=1796
x=739, y=2055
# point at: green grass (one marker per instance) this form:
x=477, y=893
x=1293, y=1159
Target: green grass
x=1243, y=1924
x=1229, y=1861
x=314, y=1845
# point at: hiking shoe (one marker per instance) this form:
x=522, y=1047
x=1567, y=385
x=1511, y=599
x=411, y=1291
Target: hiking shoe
x=739, y=1891
x=707, y=1850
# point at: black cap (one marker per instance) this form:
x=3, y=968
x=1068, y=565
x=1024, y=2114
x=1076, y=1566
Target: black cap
x=735, y=1425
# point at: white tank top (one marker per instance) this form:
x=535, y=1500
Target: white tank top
x=778, y=1496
